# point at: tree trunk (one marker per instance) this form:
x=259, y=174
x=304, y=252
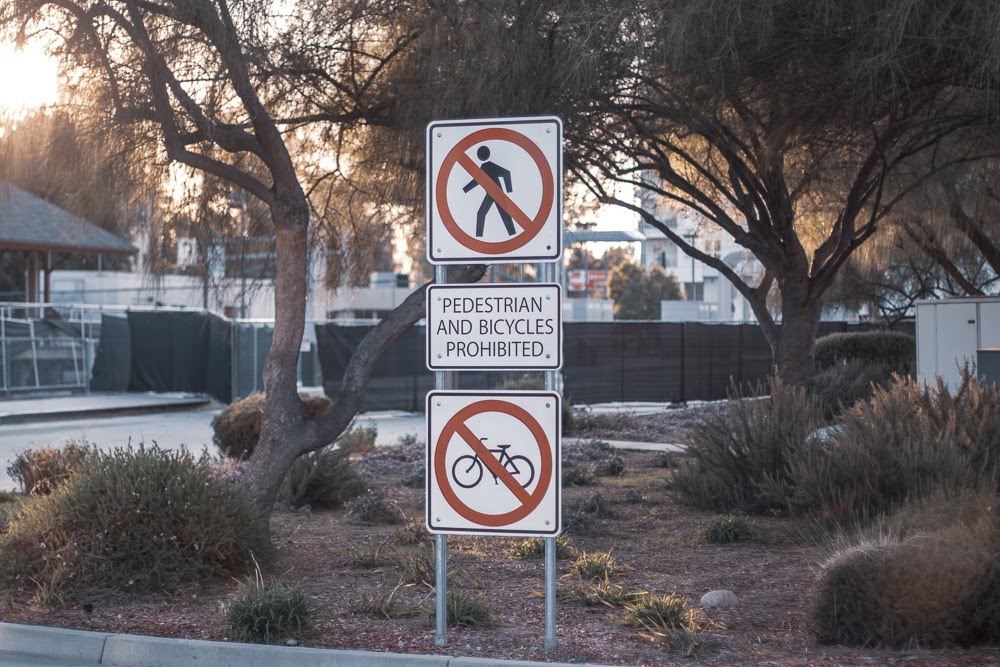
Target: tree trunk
x=793, y=351
x=282, y=430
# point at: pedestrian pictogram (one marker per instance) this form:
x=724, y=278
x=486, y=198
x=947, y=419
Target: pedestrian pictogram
x=494, y=190
x=493, y=463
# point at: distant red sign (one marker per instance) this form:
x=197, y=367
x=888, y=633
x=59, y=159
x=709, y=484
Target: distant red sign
x=576, y=280
x=597, y=280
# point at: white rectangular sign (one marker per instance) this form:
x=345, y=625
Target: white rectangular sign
x=493, y=463
x=494, y=190
x=494, y=327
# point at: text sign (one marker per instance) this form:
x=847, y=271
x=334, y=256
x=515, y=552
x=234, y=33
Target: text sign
x=494, y=327
x=494, y=190
x=493, y=463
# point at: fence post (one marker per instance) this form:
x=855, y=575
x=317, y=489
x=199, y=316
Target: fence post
x=6, y=359
x=683, y=327
x=34, y=351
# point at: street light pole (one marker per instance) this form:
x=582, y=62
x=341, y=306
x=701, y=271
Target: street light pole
x=691, y=237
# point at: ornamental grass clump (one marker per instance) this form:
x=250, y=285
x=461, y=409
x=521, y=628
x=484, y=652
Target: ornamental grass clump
x=138, y=519
x=905, y=582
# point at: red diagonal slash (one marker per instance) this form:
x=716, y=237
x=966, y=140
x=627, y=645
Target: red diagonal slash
x=498, y=195
x=486, y=456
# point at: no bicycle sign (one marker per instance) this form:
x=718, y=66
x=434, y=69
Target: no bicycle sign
x=493, y=463
x=494, y=190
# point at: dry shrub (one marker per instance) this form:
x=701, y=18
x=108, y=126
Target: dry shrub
x=326, y=478
x=906, y=443
x=893, y=588
x=133, y=520
x=237, y=428
x=738, y=459
x=40, y=471
x=844, y=384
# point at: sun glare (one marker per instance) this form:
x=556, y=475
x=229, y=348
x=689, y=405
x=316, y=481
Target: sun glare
x=28, y=78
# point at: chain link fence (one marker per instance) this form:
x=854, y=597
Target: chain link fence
x=53, y=347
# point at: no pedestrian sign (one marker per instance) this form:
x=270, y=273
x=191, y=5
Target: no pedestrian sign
x=494, y=190
x=494, y=327
x=493, y=463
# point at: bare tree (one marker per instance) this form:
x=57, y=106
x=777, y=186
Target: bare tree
x=954, y=221
x=796, y=128
x=226, y=85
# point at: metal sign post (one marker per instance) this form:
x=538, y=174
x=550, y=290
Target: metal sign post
x=548, y=275
x=442, y=380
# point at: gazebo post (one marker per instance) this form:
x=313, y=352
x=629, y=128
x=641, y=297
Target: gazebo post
x=31, y=280
x=48, y=276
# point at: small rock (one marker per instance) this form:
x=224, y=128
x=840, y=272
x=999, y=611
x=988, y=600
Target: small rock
x=306, y=509
x=291, y=642
x=719, y=600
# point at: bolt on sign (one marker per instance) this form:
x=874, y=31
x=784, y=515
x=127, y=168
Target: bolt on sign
x=494, y=190
x=493, y=463
x=494, y=327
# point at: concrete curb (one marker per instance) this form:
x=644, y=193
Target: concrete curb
x=78, y=648
x=55, y=643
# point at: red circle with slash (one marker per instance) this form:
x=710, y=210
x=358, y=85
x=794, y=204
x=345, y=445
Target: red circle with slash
x=458, y=425
x=531, y=226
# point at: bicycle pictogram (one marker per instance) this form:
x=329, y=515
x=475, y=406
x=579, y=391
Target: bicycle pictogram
x=467, y=471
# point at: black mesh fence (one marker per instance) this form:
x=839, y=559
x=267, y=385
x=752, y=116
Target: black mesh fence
x=603, y=362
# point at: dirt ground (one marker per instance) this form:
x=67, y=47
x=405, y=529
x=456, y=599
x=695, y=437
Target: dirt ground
x=657, y=539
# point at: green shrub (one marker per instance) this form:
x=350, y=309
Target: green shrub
x=369, y=557
x=133, y=520
x=40, y=471
x=582, y=517
x=417, y=477
x=534, y=547
x=844, y=384
x=237, y=428
x=906, y=443
x=666, y=460
x=738, y=458
x=380, y=605
x=612, y=466
x=730, y=529
x=595, y=566
x=414, y=531
x=469, y=610
x=523, y=383
x=667, y=620
x=266, y=612
x=575, y=474
x=897, y=350
x=372, y=508
x=417, y=568
x=592, y=594
x=324, y=478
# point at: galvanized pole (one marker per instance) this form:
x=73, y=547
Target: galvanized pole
x=548, y=275
x=442, y=380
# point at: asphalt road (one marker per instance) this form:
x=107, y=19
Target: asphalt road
x=169, y=430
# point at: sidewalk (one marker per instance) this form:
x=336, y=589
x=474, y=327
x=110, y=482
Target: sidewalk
x=53, y=408
x=36, y=646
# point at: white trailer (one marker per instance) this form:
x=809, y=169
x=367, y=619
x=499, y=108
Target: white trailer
x=950, y=332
